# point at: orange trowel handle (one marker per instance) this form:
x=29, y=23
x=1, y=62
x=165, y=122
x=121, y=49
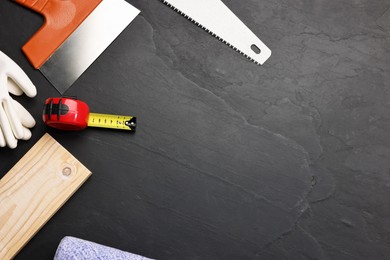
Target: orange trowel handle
x=62, y=17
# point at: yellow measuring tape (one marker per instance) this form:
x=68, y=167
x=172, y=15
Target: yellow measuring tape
x=112, y=121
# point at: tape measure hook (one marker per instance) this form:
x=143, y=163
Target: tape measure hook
x=132, y=123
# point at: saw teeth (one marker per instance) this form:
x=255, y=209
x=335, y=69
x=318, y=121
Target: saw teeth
x=210, y=32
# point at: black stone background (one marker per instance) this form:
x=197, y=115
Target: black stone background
x=231, y=160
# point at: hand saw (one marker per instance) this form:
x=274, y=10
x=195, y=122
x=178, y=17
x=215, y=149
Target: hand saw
x=217, y=19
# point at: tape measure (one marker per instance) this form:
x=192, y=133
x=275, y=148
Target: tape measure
x=72, y=114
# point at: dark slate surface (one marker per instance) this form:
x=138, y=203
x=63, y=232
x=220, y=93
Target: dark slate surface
x=231, y=160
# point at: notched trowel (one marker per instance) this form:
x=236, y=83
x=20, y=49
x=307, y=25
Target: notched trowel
x=74, y=34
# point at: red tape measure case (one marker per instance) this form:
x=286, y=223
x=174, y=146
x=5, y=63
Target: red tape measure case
x=65, y=113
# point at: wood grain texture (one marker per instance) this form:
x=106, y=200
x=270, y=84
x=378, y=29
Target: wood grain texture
x=33, y=190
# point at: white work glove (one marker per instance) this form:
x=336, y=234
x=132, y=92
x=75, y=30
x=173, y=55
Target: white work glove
x=14, y=118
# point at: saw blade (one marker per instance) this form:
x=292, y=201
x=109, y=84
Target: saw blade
x=218, y=20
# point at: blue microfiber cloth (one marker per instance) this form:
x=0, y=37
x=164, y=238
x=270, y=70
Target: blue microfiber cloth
x=71, y=248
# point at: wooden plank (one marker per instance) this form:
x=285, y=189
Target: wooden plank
x=33, y=190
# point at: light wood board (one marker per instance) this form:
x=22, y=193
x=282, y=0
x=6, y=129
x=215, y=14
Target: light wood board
x=33, y=190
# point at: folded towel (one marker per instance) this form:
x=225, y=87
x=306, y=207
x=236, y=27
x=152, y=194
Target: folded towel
x=71, y=248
